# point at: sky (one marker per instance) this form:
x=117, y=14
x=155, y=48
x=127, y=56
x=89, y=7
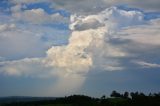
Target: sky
x=63, y=47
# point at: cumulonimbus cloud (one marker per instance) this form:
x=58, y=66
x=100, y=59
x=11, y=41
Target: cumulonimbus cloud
x=90, y=47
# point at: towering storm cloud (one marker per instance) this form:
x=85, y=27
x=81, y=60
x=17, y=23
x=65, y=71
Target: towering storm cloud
x=103, y=41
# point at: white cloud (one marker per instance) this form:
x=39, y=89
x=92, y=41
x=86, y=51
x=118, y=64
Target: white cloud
x=57, y=17
x=89, y=46
x=5, y=27
x=110, y=17
x=25, y=67
x=36, y=16
x=84, y=23
x=145, y=34
x=92, y=47
x=147, y=65
x=18, y=40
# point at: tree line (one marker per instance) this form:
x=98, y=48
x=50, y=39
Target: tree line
x=115, y=99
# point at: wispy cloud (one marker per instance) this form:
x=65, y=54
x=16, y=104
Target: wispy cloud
x=147, y=65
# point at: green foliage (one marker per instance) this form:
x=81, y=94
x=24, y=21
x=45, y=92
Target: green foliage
x=116, y=99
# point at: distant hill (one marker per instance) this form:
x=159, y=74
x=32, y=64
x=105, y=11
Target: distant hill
x=11, y=99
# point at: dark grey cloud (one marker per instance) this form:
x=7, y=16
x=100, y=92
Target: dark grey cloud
x=92, y=6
